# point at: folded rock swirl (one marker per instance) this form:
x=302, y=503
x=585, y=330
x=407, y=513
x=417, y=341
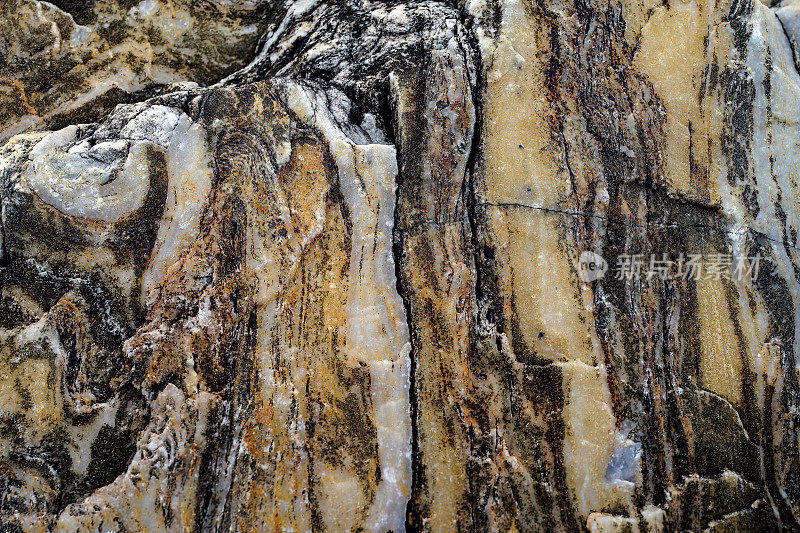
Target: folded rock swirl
x=241, y=241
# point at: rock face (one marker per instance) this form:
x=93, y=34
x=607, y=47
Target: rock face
x=485, y=265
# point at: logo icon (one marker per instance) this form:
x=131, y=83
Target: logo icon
x=591, y=267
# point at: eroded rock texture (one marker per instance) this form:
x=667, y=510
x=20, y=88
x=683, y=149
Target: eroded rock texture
x=315, y=265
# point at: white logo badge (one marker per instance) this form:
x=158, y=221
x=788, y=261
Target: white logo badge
x=591, y=267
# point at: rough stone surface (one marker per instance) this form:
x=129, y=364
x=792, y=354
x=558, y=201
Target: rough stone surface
x=292, y=265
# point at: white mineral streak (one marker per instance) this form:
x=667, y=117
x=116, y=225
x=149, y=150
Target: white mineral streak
x=377, y=333
x=789, y=16
x=522, y=166
x=776, y=157
x=83, y=437
x=23, y=124
x=189, y=173
x=155, y=123
x=594, y=472
x=117, y=75
x=46, y=404
x=165, y=455
x=26, y=392
x=105, y=181
x=296, y=10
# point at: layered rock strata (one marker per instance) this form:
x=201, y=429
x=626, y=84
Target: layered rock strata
x=307, y=265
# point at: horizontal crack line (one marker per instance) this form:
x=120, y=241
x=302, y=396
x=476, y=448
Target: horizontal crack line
x=635, y=224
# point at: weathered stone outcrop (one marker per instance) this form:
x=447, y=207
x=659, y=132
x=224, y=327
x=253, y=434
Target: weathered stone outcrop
x=309, y=265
